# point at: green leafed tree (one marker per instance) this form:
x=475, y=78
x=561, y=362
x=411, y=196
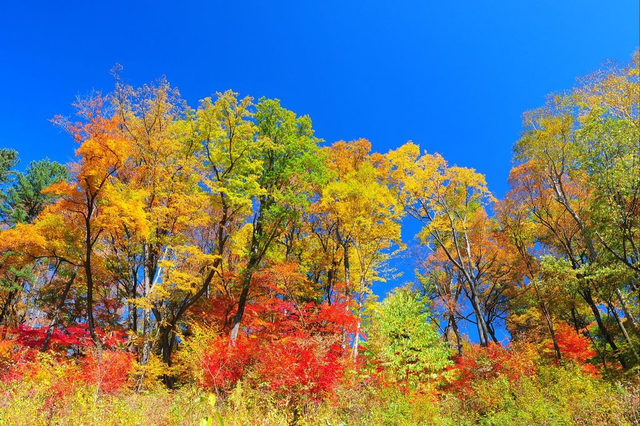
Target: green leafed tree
x=24, y=199
x=402, y=336
x=8, y=159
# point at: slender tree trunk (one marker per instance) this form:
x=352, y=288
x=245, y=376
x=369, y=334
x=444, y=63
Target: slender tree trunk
x=133, y=310
x=552, y=332
x=146, y=319
x=254, y=260
x=7, y=304
x=543, y=306
x=166, y=343
x=90, y=240
x=483, y=331
x=56, y=314
x=347, y=283
x=586, y=294
x=492, y=333
x=240, y=312
x=630, y=319
x=331, y=274
x=456, y=332
x=90, y=284
x=242, y=301
x=612, y=309
x=356, y=337
x=548, y=319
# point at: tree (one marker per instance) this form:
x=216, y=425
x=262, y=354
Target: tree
x=162, y=172
x=365, y=216
x=405, y=341
x=22, y=202
x=560, y=198
x=450, y=203
x=8, y=160
x=93, y=202
x=289, y=160
x=24, y=199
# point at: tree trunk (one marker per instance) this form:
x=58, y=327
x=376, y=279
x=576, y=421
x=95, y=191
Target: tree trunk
x=456, y=332
x=552, y=331
x=548, y=319
x=89, y=277
x=240, y=312
x=483, y=331
x=492, y=333
x=166, y=342
x=356, y=337
x=347, y=277
x=627, y=313
x=133, y=310
x=146, y=319
x=56, y=314
x=331, y=276
x=242, y=301
x=612, y=309
x=89, y=241
x=586, y=294
x=7, y=304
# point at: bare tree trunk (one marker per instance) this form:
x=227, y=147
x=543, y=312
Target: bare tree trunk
x=586, y=294
x=456, y=332
x=90, y=284
x=166, y=342
x=90, y=240
x=612, y=309
x=356, y=337
x=483, y=331
x=331, y=276
x=133, y=310
x=347, y=283
x=242, y=301
x=7, y=304
x=146, y=319
x=552, y=332
x=627, y=313
x=548, y=319
x=56, y=314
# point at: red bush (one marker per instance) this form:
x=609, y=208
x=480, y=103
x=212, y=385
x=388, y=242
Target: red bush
x=574, y=347
x=293, y=350
x=108, y=370
x=478, y=363
x=225, y=364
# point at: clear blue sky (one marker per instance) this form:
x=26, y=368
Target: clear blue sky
x=454, y=77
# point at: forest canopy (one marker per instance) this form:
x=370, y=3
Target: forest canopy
x=224, y=249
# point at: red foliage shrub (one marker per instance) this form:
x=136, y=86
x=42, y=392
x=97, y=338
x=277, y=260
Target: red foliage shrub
x=108, y=370
x=300, y=367
x=73, y=353
x=225, y=364
x=72, y=337
x=292, y=350
x=574, y=347
x=478, y=363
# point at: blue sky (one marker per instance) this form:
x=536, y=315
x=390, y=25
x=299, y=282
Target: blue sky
x=454, y=77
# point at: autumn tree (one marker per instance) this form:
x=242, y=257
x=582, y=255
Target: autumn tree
x=365, y=216
x=22, y=202
x=289, y=160
x=162, y=173
x=450, y=203
x=93, y=201
x=561, y=199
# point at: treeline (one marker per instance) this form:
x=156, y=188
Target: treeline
x=227, y=242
